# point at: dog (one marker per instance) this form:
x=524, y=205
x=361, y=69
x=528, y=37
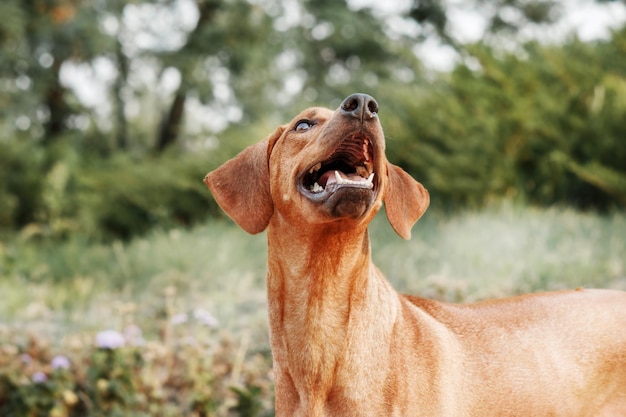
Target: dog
x=345, y=343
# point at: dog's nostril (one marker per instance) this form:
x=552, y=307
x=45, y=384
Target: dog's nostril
x=360, y=105
x=351, y=103
x=372, y=106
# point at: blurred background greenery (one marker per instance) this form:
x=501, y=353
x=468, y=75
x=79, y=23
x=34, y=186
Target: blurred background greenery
x=112, y=111
x=511, y=112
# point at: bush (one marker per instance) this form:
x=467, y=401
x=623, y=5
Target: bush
x=22, y=171
x=118, y=197
x=542, y=124
x=186, y=374
x=122, y=197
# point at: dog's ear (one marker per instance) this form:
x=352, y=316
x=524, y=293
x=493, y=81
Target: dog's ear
x=405, y=200
x=241, y=186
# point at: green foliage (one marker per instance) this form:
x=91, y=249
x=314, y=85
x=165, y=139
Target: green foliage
x=249, y=402
x=122, y=197
x=493, y=128
x=117, y=197
x=140, y=379
x=110, y=380
x=21, y=169
x=179, y=360
x=36, y=40
x=504, y=249
x=502, y=17
x=531, y=122
x=609, y=180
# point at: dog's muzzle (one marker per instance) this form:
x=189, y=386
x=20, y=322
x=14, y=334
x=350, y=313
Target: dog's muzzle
x=345, y=182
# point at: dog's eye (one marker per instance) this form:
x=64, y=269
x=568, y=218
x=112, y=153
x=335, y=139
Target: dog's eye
x=303, y=125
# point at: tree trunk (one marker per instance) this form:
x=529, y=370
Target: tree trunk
x=57, y=108
x=171, y=125
x=122, y=124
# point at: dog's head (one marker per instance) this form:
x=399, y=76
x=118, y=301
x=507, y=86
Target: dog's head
x=324, y=166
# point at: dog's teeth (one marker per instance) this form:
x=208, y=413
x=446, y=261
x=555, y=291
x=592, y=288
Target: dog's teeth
x=316, y=188
x=362, y=171
x=346, y=181
x=315, y=168
x=342, y=180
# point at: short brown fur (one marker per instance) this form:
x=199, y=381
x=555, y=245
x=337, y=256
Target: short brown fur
x=345, y=343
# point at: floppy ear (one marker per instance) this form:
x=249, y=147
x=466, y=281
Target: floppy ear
x=405, y=200
x=241, y=186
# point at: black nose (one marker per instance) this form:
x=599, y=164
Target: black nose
x=361, y=106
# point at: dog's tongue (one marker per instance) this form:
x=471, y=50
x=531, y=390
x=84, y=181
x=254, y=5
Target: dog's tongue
x=326, y=177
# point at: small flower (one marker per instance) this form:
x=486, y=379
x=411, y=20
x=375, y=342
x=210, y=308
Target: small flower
x=134, y=335
x=102, y=384
x=110, y=339
x=60, y=362
x=26, y=358
x=205, y=317
x=178, y=319
x=39, y=377
x=70, y=397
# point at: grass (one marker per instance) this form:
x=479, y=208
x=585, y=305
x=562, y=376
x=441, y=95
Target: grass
x=498, y=251
x=206, y=266
x=169, y=282
x=506, y=250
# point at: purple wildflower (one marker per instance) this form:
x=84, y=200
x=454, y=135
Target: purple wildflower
x=178, y=319
x=205, y=317
x=39, y=377
x=134, y=335
x=60, y=362
x=110, y=339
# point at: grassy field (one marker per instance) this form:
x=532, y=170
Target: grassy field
x=191, y=303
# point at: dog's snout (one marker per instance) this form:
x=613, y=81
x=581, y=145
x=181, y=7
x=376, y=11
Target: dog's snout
x=361, y=106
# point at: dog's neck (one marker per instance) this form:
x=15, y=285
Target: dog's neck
x=322, y=288
x=317, y=270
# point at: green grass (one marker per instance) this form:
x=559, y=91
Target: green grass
x=215, y=267
x=59, y=295
x=498, y=251
x=505, y=250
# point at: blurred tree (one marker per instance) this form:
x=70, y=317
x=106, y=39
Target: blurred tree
x=503, y=17
x=261, y=58
x=122, y=63
x=514, y=118
x=37, y=39
x=189, y=56
x=340, y=50
x=229, y=51
x=544, y=124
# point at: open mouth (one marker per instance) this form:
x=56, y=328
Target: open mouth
x=350, y=165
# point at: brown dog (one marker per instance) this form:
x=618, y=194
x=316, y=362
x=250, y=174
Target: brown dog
x=346, y=344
